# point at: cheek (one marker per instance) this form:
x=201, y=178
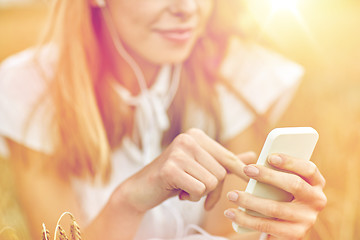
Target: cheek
x=206, y=8
x=133, y=19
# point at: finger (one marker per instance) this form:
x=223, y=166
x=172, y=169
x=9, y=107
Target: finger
x=184, y=195
x=209, y=163
x=289, y=182
x=226, y=158
x=274, y=227
x=186, y=161
x=213, y=197
x=187, y=183
x=280, y=210
x=247, y=157
x=195, y=170
x=306, y=169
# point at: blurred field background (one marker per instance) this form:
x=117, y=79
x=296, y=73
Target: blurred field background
x=324, y=37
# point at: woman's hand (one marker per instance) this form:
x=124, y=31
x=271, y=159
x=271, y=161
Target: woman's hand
x=192, y=166
x=290, y=220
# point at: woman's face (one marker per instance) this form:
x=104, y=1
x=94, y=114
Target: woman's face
x=160, y=31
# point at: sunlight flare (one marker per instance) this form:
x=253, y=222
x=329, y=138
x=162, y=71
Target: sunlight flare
x=284, y=5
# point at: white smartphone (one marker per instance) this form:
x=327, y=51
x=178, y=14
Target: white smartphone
x=297, y=142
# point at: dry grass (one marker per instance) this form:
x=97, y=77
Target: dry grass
x=19, y=29
x=329, y=100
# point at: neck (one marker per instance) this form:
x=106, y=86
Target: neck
x=148, y=69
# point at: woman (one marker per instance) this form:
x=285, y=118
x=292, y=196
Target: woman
x=118, y=112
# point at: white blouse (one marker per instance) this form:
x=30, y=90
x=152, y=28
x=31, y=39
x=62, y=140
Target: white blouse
x=264, y=79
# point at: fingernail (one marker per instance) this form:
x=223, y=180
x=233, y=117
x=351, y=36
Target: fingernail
x=183, y=196
x=229, y=214
x=251, y=171
x=275, y=160
x=232, y=196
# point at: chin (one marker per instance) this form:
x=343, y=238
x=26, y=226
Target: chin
x=173, y=59
x=171, y=56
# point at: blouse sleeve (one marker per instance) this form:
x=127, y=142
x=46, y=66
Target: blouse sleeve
x=24, y=115
x=265, y=81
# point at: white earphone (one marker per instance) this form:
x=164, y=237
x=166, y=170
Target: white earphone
x=100, y=3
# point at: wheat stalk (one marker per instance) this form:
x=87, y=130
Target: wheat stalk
x=45, y=233
x=75, y=231
x=60, y=232
x=9, y=233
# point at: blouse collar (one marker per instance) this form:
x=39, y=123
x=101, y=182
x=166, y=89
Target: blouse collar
x=151, y=119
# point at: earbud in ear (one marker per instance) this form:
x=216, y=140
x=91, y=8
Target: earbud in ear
x=100, y=3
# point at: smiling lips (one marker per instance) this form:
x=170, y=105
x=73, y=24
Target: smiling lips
x=176, y=35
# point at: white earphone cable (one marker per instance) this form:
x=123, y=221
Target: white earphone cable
x=120, y=48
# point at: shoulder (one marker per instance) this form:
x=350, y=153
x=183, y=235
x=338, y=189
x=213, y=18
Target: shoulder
x=23, y=81
x=257, y=82
x=27, y=70
x=24, y=76
x=259, y=74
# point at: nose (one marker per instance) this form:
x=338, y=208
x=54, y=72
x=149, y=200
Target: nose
x=183, y=8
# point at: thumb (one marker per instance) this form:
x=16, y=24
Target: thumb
x=213, y=197
x=243, y=159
